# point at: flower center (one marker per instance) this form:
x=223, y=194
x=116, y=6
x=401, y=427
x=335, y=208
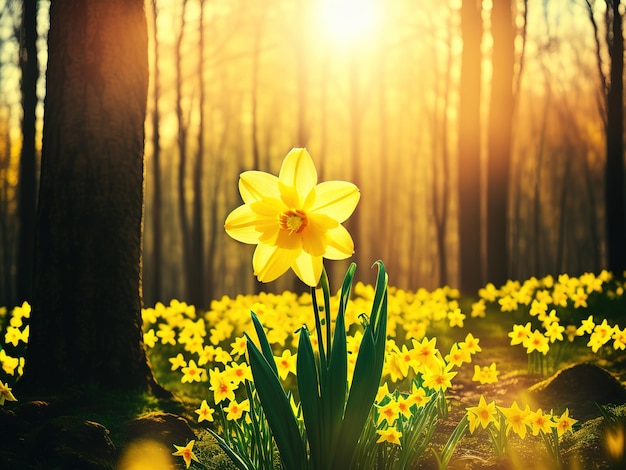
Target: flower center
x=293, y=220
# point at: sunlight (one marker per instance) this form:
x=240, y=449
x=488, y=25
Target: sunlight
x=347, y=22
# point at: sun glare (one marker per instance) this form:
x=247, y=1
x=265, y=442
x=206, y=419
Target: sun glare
x=346, y=22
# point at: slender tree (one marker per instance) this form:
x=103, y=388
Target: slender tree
x=85, y=325
x=27, y=199
x=157, y=209
x=470, y=268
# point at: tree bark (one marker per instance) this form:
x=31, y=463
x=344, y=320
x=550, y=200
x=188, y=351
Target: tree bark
x=499, y=142
x=86, y=322
x=470, y=265
x=27, y=202
x=614, y=186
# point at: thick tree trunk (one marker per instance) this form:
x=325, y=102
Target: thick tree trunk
x=615, y=202
x=499, y=142
x=86, y=319
x=470, y=266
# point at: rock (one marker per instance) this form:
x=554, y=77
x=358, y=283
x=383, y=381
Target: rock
x=71, y=442
x=578, y=388
x=165, y=428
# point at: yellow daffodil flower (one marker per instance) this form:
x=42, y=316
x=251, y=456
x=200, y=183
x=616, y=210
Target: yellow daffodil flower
x=517, y=419
x=564, y=423
x=483, y=414
x=221, y=387
x=388, y=412
x=294, y=221
x=286, y=363
x=205, y=412
x=540, y=422
x=391, y=435
x=186, y=452
x=235, y=410
x=5, y=393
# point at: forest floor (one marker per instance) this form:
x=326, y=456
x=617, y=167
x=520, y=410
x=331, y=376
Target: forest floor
x=79, y=433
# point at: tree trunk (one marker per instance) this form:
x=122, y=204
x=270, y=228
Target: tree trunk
x=27, y=199
x=196, y=279
x=470, y=266
x=85, y=327
x=614, y=196
x=499, y=142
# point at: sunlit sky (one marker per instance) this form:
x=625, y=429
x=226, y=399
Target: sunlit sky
x=347, y=22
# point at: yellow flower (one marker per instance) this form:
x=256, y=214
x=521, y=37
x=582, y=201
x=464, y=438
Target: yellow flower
x=235, y=410
x=286, y=363
x=391, y=435
x=619, y=338
x=470, y=344
x=555, y=331
x=293, y=220
x=439, y=377
x=483, y=414
x=238, y=373
x=178, y=361
x=537, y=342
x=478, y=309
x=486, y=374
x=540, y=422
x=418, y=396
x=517, y=419
x=520, y=333
x=455, y=318
x=186, y=452
x=205, y=412
x=586, y=326
x=149, y=338
x=388, y=412
x=458, y=356
x=5, y=393
x=192, y=373
x=221, y=387
x=564, y=423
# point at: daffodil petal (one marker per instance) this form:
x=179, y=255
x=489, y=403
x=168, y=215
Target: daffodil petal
x=270, y=262
x=298, y=172
x=255, y=185
x=314, y=235
x=308, y=268
x=336, y=199
x=339, y=244
x=289, y=241
x=241, y=224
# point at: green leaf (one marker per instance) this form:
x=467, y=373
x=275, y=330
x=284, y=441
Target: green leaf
x=335, y=389
x=310, y=400
x=265, y=345
x=367, y=374
x=277, y=410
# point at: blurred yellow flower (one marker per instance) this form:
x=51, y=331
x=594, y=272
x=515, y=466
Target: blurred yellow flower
x=293, y=220
x=486, y=374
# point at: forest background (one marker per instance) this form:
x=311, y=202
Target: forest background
x=476, y=133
